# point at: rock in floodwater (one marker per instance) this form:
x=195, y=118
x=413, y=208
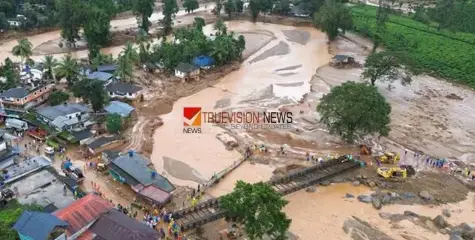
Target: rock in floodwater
x=455, y=237
x=325, y=183
x=364, y=198
x=385, y=215
x=311, y=189
x=446, y=213
x=386, y=200
x=349, y=195
x=440, y=222
x=411, y=214
x=376, y=203
x=371, y=184
x=425, y=195
x=408, y=195
x=356, y=183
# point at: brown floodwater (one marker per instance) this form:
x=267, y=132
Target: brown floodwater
x=204, y=153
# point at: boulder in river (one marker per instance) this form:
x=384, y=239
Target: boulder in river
x=386, y=200
x=325, y=183
x=408, y=195
x=385, y=215
x=311, y=189
x=356, y=183
x=371, y=184
x=349, y=195
x=411, y=213
x=364, y=198
x=446, y=213
x=440, y=222
x=338, y=180
x=455, y=237
x=425, y=195
x=376, y=203
x=464, y=230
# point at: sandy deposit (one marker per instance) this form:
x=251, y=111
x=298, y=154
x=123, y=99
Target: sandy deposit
x=321, y=215
x=203, y=152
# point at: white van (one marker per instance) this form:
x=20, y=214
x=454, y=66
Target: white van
x=16, y=124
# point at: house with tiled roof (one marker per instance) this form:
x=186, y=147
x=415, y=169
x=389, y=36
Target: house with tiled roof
x=81, y=214
x=34, y=225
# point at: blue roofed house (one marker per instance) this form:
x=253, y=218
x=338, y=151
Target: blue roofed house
x=203, y=61
x=123, y=109
x=101, y=76
x=132, y=169
x=40, y=226
x=66, y=117
x=107, y=68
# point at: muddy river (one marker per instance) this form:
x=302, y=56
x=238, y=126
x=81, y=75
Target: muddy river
x=282, y=60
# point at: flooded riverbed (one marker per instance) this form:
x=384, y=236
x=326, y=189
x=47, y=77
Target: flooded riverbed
x=258, y=79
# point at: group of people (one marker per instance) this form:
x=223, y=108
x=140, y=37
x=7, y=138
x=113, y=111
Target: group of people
x=153, y=218
x=315, y=159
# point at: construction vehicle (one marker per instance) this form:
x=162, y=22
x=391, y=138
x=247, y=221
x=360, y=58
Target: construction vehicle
x=389, y=158
x=402, y=171
x=72, y=172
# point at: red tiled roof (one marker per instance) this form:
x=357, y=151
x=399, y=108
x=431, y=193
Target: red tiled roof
x=83, y=211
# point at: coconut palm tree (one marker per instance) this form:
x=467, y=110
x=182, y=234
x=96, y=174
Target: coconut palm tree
x=23, y=50
x=49, y=63
x=131, y=53
x=68, y=68
x=125, y=68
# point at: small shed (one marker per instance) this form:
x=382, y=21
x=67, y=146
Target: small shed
x=152, y=67
x=101, y=76
x=123, y=109
x=187, y=71
x=203, y=61
x=342, y=59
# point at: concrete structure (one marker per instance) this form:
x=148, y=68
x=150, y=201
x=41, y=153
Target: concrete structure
x=187, y=71
x=44, y=189
x=21, y=99
x=70, y=117
x=23, y=168
x=124, y=91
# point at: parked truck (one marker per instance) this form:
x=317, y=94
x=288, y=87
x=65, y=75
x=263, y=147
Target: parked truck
x=72, y=172
x=16, y=124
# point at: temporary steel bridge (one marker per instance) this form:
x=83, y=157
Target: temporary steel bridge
x=210, y=210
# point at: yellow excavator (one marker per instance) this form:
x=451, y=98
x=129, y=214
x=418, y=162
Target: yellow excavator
x=389, y=158
x=402, y=171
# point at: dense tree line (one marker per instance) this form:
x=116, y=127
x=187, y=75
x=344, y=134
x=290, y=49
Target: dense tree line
x=190, y=43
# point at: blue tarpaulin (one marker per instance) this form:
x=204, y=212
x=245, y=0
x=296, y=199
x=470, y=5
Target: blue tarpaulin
x=203, y=61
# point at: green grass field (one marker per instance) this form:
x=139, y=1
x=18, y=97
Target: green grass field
x=441, y=53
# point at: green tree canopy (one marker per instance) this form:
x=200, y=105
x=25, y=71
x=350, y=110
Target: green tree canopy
x=91, y=91
x=170, y=8
x=381, y=66
x=8, y=71
x=191, y=5
x=24, y=49
x=258, y=6
x=143, y=9
x=333, y=16
x=113, y=123
x=259, y=208
x=71, y=15
x=97, y=30
x=230, y=7
x=199, y=23
x=58, y=97
x=354, y=110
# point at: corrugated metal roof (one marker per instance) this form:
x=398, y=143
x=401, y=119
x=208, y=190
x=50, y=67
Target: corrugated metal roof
x=102, y=76
x=156, y=194
x=123, y=109
x=136, y=167
x=118, y=226
x=83, y=211
x=203, y=61
x=101, y=141
x=37, y=225
x=17, y=92
x=52, y=112
x=107, y=67
x=121, y=88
